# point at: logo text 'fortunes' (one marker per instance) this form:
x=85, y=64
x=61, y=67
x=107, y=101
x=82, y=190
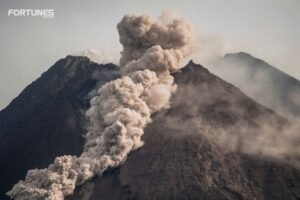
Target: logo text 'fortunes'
x=44, y=13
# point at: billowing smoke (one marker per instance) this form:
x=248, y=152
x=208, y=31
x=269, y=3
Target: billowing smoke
x=122, y=108
x=101, y=56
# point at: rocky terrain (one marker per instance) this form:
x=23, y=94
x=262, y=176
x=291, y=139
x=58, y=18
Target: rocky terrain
x=180, y=159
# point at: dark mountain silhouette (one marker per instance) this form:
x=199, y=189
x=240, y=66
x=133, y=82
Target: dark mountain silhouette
x=47, y=118
x=263, y=82
x=178, y=161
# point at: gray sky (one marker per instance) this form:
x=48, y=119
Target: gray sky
x=268, y=29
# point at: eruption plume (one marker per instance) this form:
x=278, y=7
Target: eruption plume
x=152, y=50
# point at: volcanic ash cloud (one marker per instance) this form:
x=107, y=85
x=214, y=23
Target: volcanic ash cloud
x=152, y=50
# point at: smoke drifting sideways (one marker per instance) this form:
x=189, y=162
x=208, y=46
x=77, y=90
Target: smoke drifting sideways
x=152, y=50
x=260, y=133
x=101, y=56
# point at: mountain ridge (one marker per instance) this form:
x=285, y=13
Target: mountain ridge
x=49, y=113
x=263, y=82
x=178, y=161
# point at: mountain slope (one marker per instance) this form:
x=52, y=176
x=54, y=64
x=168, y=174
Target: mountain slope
x=46, y=119
x=184, y=156
x=263, y=82
x=178, y=161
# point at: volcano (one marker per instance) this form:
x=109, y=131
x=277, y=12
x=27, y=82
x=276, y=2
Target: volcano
x=183, y=157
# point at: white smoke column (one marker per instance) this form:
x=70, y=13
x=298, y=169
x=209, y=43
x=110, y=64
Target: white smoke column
x=122, y=109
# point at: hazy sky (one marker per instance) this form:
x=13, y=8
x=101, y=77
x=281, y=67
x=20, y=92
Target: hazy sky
x=268, y=29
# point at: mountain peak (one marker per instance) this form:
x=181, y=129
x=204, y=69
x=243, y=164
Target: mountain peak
x=101, y=56
x=48, y=117
x=181, y=159
x=241, y=54
x=263, y=82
